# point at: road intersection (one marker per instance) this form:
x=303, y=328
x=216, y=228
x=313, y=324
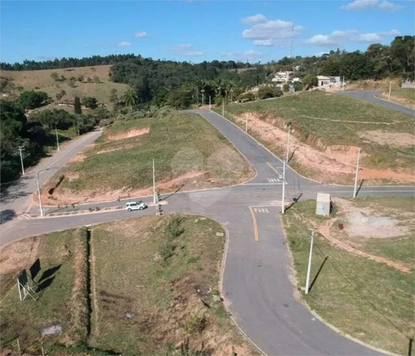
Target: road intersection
x=258, y=283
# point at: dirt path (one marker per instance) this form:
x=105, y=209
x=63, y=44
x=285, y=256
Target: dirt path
x=324, y=230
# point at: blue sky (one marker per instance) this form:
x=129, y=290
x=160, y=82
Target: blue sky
x=198, y=30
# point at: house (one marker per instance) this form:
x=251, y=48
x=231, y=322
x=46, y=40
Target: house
x=324, y=81
x=282, y=77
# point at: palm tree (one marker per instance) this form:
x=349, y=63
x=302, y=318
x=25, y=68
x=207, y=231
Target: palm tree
x=130, y=98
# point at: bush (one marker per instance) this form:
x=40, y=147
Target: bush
x=90, y=102
x=32, y=99
x=269, y=92
x=286, y=88
x=247, y=97
x=195, y=324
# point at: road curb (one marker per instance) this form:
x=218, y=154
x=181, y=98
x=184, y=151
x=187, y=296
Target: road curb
x=299, y=297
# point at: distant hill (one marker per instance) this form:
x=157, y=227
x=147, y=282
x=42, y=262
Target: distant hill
x=86, y=81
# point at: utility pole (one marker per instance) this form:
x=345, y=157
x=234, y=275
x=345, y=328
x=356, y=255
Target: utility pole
x=231, y=95
x=283, y=188
x=154, y=184
x=210, y=102
x=57, y=139
x=357, y=174
x=38, y=193
x=343, y=84
x=21, y=157
x=203, y=96
x=288, y=142
x=390, y=90
x=307, y=283
x=246, y=124
x=223, y=107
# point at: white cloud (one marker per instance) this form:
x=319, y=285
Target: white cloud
x=141, y=34
x=337, y=38
x=386, y=5
x=187, y=50
x=371, y=4
x=263, y=32
x=264, y=43
x=124, y=44
x=254, y=19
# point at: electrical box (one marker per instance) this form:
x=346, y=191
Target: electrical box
x=323, y=204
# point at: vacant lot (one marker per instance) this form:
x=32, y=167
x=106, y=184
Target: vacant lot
x=61, y=297
x=328, y=129
x=153, y=287
x=363, y=266
x=188, y=153
x=42, y=80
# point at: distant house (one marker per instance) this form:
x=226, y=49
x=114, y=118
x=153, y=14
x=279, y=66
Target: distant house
x=324, y=81
x=282, y=77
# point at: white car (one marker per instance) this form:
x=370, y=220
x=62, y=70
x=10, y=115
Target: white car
x=134, y=205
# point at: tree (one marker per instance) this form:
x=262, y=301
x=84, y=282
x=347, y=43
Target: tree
x=77, y=106
x=55, y=76
x=90, y=102
x=130, y=98
x=286, y=87
x=310, y=81
x=32, y=99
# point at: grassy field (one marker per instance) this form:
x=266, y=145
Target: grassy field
x=154, y=288
x=61, y=300
x=185, y=148
x=42, y=80
x=323, y=120
x=403, y=96
x=364, y=298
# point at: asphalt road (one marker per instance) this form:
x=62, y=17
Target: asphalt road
x=369, y=95
x=257, y=281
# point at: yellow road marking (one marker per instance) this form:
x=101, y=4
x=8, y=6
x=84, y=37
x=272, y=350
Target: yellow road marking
x=269, y=164
x=256, y=236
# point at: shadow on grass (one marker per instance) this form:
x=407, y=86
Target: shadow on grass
x=317, y=274
x=47, y=278
x=295, y=200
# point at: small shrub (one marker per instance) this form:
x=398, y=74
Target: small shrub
x=195, y=324
x=166, y=251
x=174, y=229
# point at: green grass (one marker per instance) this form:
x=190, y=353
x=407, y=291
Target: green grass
x=55, y=304
x=159, y=264
x=363, y=298
x=157, y=267
x=179, y=143
x=324, y=119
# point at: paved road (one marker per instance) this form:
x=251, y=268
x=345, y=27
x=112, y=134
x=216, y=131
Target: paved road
x=368, y=95
x=257, y=282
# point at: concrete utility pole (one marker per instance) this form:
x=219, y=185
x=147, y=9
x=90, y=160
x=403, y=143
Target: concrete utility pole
x=38, y=193
x=390, y=90
x=21, y=158
x=154, y=184
x=231, y=95
x=343, y=84
x=57, y=139
x=246, y=124
x=357, y=174
x=307, y=283
x=223, y=107
x=288, y=142
x=210, y=102
x=283, y=188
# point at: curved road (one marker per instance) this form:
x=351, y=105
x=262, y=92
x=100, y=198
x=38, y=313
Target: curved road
x=257, y=281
